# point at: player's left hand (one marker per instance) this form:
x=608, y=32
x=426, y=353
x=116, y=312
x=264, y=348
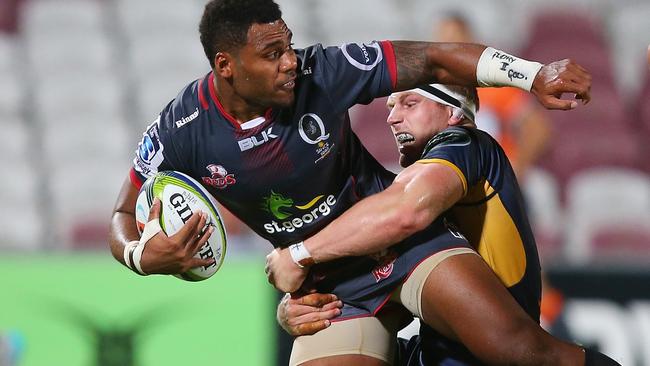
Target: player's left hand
x=559, y=77
x=282, y=272
x=307, y=314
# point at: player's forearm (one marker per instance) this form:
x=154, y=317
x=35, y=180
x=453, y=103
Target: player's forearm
x=123, y=228
x=426, y=62
x=409, y=205
x=121, y=232
x=373, y=224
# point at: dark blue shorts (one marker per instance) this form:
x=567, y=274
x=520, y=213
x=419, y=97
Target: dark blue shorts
x=365, y=284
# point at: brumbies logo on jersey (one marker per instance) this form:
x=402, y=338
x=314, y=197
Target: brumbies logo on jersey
x=362, y=56
x=150, y=150
x=283, y=208
x=219, y=177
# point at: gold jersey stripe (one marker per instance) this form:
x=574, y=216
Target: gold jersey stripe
x=451, y=165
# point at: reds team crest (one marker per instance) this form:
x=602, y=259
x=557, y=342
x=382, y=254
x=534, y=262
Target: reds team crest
x=385, y=263
x=219, y=177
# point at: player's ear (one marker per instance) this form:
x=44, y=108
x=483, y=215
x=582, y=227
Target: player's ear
x=223, y=64
x=456, y=116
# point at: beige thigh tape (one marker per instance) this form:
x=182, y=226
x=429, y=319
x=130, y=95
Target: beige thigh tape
x=410, y=293
x=370, y=336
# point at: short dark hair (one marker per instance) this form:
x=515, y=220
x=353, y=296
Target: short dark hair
x=225, y=23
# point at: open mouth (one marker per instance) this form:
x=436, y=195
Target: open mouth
x=289, y=85
x=404, y=138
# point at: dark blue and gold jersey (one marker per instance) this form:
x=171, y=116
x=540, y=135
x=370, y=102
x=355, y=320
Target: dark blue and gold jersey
x=289, y=173
x=491, y=213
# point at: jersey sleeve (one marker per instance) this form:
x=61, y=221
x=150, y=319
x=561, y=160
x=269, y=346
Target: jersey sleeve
x=455, y=147
x=155, y=151
x=356, y=73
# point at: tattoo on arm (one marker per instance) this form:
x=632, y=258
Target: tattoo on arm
x=427, y=62
x=411, y=64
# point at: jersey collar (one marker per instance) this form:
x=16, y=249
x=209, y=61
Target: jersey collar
x=244, y=126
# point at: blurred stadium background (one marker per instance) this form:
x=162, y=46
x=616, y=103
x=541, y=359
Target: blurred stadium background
x=81, y=79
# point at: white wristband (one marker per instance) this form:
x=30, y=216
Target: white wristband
x=498, y=68
x=300, y=255
x=128, y=254
x=133, y=250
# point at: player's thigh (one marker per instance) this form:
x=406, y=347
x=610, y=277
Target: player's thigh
x=357, y=360
x=464, y=300
x=361, y=341
x=410, y=293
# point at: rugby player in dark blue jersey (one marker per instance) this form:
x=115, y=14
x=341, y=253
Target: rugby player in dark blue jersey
x=451, y=167
x=267, y=132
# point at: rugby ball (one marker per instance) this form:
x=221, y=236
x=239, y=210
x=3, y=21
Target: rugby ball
x=180, y=196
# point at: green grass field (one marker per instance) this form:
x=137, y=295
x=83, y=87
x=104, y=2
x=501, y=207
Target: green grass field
x=82, y=310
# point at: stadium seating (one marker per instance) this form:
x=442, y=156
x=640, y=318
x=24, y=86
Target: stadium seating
x=22, y=220
x=640, y=119
x=72, y=55
x=12, y=94
x=542, y=197
x=152, y=56
x=482, y=15
x=154, y=95
x=362, y=21
x=144, y=18
x=597, y=134
x=8, y=51
x=629, y=36
x=83, y=194
x=300, y=16
x=46, y=18
x=549, y=26
x=605, y=209
x=92, y=95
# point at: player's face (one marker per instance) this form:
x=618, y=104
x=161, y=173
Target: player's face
x=414, y=119
x=264, y=72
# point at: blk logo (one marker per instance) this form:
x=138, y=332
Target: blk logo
x=257, y=140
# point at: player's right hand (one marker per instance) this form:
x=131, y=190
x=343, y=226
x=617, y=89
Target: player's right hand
x=560, y=77
x=308, y=314
x=175, y=254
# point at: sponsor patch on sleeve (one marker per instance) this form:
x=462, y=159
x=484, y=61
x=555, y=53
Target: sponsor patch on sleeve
x=362, y=56
x=149, y=155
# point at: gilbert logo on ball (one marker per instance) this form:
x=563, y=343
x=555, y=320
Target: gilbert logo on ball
x=181, y=195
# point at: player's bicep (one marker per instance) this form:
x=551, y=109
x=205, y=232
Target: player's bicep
x=430, y=188
x=411, y=61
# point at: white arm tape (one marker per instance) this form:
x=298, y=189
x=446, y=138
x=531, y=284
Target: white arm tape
x=498, y=68
x=133, y=250
x=300, y=255
x=150, y=230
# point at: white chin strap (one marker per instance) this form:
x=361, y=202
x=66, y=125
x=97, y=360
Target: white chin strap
x=441, y=94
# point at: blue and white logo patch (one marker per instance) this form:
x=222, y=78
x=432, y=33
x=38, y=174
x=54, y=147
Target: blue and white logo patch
x=362, y=56
x=147, y=149
x=150, y=144
x=149, y=154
